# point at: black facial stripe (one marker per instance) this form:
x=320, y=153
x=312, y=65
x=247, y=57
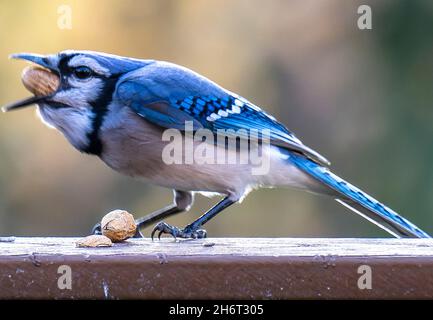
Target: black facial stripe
x=99, y=106
x=100, y=109
x=66, y=70
x=63, y=63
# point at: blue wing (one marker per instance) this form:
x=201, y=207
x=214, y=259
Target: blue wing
x=181, y=95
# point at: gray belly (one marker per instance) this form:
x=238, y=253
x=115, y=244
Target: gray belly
x=135, y=147
x=136, y=158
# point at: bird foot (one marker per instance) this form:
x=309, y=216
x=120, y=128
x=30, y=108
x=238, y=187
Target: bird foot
x=187, y=233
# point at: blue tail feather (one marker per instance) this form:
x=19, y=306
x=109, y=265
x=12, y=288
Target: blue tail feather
x=359, y=201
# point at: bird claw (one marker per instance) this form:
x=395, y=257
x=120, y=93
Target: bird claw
x=175, y=232
x=96, y=229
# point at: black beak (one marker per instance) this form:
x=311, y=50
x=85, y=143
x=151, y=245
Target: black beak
x=24, y=103
x=43, y=61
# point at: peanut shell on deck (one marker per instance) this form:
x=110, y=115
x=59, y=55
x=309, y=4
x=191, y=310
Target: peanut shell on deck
x=94, y=241
x=39, y=81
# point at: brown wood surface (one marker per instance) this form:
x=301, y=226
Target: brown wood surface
x=223, y=268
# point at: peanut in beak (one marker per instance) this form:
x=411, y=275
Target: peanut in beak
x=40, y=81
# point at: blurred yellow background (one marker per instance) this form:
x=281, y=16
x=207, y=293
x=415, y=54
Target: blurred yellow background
x=362, y=98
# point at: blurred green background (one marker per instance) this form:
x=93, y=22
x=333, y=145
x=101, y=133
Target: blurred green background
x=363, y=98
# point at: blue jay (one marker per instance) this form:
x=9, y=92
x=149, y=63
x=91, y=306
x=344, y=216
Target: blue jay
x=117, y=108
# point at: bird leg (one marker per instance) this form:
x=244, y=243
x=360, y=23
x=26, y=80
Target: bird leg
x=192, y=230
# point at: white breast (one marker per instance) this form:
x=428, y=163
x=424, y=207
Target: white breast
x=74, y=123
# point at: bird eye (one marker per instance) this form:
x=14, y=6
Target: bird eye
x=83, y=72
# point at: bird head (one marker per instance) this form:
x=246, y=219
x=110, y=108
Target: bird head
x=86, y=81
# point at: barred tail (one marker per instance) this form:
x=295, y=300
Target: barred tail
x=360, y=202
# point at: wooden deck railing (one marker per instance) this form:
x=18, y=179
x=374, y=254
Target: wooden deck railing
x=221, y=268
